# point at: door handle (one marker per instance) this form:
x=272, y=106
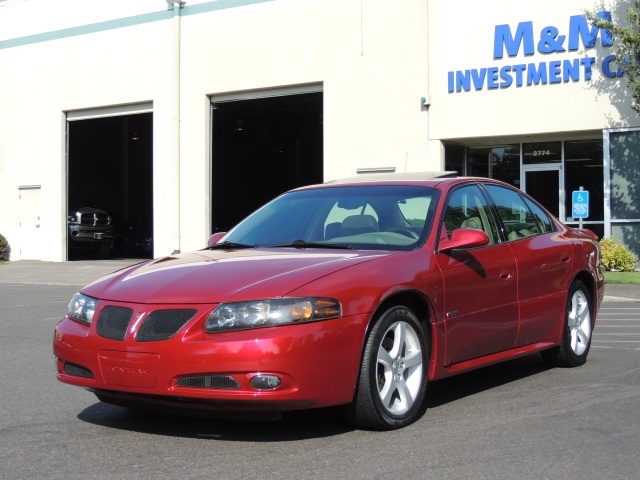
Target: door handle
x=506, y=274
x=565, y=257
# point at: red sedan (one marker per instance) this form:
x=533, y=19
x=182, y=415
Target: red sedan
x=355, y=292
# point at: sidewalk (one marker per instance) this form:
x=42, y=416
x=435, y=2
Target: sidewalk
x=79, y=273
x=83, y=272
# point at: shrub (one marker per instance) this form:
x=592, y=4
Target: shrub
x=5, y=248
x=616, y=257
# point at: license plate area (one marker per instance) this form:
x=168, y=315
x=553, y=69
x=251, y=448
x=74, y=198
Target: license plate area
x=128, y=369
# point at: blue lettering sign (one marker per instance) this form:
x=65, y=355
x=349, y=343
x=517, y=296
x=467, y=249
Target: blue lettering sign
x=571, y=70
x=503, y=38
x=579, y=29
x=606, y=67
x=551, y=40
x=536, y=75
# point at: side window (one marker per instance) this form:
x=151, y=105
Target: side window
x=516, y=217
x=467, y=208
x=544, y=222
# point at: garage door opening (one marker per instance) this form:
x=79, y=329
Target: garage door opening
x=110, y=187
x=260, y=149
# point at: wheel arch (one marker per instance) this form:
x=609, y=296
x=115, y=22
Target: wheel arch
x=412, y=299
x=420, y=305
x=589, y=282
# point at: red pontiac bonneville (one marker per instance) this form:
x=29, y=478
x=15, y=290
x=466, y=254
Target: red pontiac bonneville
x=356, y=292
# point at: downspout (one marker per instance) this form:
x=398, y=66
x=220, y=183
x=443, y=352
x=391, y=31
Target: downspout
x=177, y=5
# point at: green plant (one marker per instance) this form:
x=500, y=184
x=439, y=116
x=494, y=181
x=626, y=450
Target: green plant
x=617, y=257
x=627, y=47
x=622, y=278
x=5, y=248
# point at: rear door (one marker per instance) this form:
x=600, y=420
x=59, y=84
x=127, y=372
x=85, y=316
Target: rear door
x=543, y=257
x=480, y=284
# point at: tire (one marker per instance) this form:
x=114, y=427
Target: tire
x=576, y=336
x=393, y=377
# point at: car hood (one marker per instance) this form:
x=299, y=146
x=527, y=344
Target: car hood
x=211, y=276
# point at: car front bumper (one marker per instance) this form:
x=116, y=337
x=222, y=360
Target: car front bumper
x=317, y=363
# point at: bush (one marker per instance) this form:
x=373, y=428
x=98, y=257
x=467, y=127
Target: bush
x=616, y=257
x=5, y=248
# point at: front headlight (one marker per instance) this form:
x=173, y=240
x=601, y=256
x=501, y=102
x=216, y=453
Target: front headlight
x=82, y=308
x=270, y=312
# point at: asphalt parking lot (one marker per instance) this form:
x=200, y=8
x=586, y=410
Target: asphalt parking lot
x=519, y=419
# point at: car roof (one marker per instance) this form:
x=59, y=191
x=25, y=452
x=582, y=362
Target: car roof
x=435, y=179
x=385, y=177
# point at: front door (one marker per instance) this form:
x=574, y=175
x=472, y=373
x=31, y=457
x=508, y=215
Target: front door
x=544, y=184
x=481, y=308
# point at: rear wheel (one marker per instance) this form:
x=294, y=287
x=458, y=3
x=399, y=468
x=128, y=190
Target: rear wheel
x=576, y=337
x=393, y=377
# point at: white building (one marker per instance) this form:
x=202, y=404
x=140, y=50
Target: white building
x=192, y=115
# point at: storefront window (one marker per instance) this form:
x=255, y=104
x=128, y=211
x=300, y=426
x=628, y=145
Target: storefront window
x=454, y=158
x=625, y=175
x=583, y=168
x=499, y=162
x=541, y=152
x=625, y=188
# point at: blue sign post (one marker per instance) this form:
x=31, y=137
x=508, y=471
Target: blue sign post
x=580, y=204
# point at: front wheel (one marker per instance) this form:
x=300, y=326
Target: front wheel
x=393, y=377
x=576, y=337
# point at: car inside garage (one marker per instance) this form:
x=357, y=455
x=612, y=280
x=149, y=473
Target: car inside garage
x=110, y=187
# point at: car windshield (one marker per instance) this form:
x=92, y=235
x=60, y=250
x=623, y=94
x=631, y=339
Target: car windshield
x=390, y=217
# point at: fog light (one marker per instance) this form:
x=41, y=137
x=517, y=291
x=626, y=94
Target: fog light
x=265, y=382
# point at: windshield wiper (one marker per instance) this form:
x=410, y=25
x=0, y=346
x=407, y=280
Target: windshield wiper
x=230, y=246
x=305, y=244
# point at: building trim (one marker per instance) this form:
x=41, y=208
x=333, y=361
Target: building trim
x=124, y=22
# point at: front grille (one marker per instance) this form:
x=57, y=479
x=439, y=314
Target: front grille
x=113, y=322
x=163, y=324
x=77, y=371
x=220, y=382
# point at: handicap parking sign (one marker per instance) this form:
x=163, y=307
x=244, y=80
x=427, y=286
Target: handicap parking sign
x=580, y=204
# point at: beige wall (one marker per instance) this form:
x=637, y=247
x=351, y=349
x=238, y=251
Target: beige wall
x=368, y=58
x=373, y=60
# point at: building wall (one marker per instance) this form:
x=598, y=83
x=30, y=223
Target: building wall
x=374, y=60
x=368, y=57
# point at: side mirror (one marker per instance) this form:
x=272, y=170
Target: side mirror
x=215, y=238
x=464, y=238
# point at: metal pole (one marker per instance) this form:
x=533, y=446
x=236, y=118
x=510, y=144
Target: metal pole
x=177, y=6
x=580, y=219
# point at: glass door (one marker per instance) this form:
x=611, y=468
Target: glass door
x=544, y=184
